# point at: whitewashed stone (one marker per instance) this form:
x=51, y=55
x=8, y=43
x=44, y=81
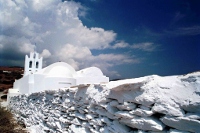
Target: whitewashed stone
x=63, y=120
x=125, y=95
x=124, y=114
x=89, y=116
x=58, y=125
x=165, y=108
x=94, y=130
x=96, y=122
x=193, y=116
x=95, y=106
x=76, y=121
x=71, y=108
x=182, y=123
x=126, y=106
x=79, y=129
x=142, y=112
x=119, y=128
x=192, y=105
x=146, y=123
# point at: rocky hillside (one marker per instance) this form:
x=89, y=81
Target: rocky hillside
x=151, y=104
x=8, y=76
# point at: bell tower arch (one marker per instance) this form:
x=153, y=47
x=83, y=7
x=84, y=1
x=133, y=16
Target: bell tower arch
x=32, y=63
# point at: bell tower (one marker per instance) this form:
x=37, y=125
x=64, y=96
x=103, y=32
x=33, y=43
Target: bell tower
x=32, y=63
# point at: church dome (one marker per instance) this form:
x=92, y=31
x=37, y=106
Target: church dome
x=90, y=72
x=59, y=69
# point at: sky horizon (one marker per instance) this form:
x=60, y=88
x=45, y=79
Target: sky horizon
x=125, y=39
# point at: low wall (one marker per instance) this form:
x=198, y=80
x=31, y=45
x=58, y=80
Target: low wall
x=151, y=104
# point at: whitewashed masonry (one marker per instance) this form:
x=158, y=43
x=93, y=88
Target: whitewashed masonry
x=52, y=77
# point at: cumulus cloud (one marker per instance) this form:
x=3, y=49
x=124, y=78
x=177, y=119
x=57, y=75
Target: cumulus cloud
x=45, y=54
x=81, y=57
x=59, y=34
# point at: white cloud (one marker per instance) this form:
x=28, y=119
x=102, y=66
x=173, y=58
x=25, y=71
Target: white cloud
x=81, y=57
x=147, y=46
x=58, y=32
x=45, y=54
x=121, y=44
x=94, y=38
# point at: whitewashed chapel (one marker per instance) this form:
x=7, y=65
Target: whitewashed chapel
x=54, y=76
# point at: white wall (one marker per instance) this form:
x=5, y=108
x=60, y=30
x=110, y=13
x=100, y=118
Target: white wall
x=52, y=83
x=39, y=83
x=22, y=84
x=92, y=80
x=98, y=109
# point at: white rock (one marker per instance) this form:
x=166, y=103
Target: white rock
x=89, y=116
x=120, y=128
x=193, y=116
x=126, y=106
x=75, y=109
x=76, y=121
x=58, y=125
x=124, y=114
x=168, y=109
x=63, y=120
x=96, y=121
x=142, y=112
x=182, y=123
x=192, y=105
x=71, y=108
x=146, y=123
x=78, y=129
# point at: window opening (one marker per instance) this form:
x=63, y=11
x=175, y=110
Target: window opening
x=37, y=64
x=30, y=64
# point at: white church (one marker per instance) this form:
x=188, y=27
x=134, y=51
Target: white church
x=52, y=77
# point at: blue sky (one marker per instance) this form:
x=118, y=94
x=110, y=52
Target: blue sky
x=173, y=26
x=125, y=38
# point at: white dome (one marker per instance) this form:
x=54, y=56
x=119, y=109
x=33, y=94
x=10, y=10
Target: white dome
x=90, y=72
x=59, y=69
